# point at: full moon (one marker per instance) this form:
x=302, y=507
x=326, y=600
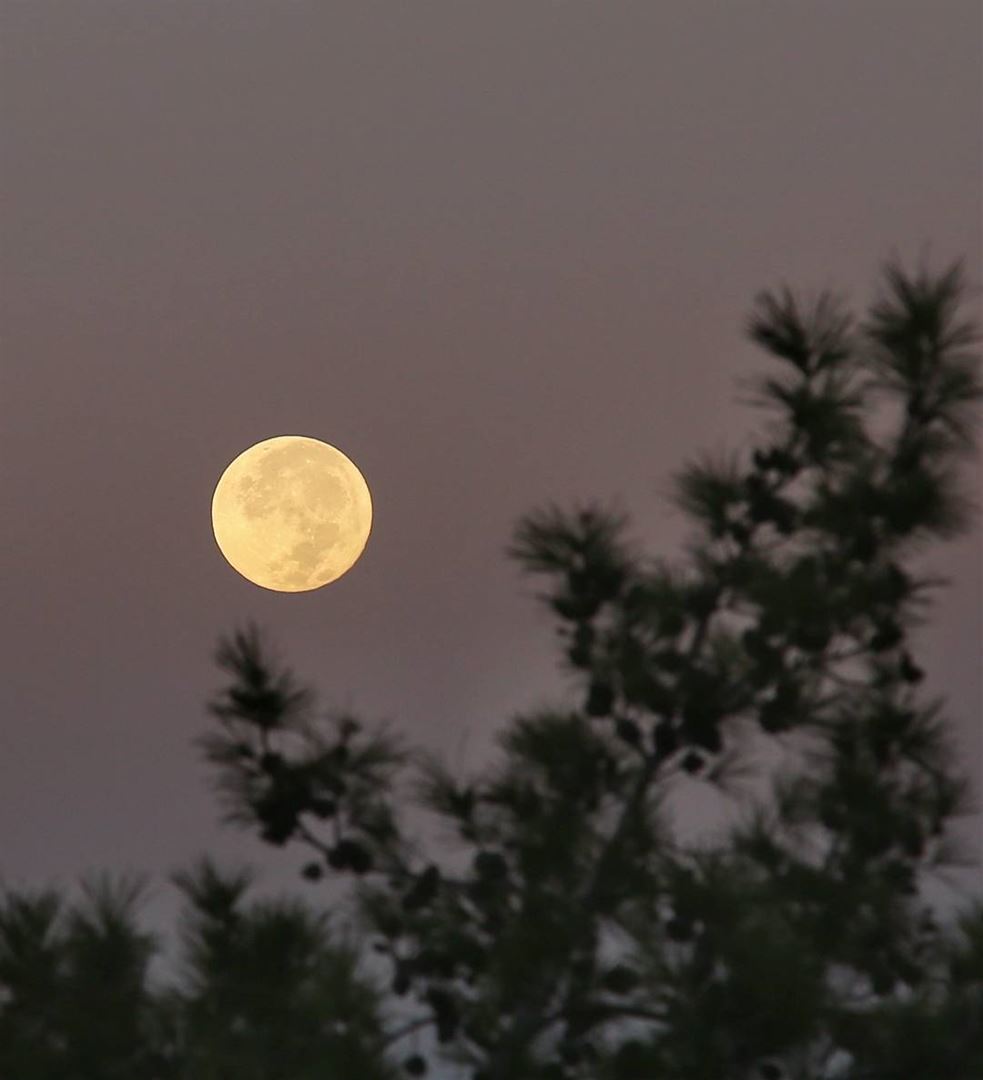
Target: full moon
x=291, y=513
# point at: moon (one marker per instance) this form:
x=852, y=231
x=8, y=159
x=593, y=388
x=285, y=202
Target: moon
x=291, y=513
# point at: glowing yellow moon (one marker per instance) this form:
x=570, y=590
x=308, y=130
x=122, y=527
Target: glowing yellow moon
x=291, y=513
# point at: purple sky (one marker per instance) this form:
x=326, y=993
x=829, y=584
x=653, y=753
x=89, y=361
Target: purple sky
x=499, y=253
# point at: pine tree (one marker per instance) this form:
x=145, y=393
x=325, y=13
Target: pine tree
x=578, y=938
x=264, y=989
x=74, y=1003
x=569, y=933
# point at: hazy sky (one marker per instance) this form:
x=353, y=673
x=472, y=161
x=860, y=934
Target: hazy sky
x=500, y=253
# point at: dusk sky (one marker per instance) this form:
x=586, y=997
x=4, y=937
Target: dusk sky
x=499, y=253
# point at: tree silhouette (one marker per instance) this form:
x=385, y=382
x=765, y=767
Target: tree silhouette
x=268, y=993
x=264, y=990
x=570, y=934
x=73, y=985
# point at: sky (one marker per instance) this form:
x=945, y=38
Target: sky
x=499, y=253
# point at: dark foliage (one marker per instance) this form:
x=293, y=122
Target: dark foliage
x=581, y=940
x=569, y=934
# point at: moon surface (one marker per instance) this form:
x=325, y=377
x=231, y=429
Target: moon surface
x=291, y=513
